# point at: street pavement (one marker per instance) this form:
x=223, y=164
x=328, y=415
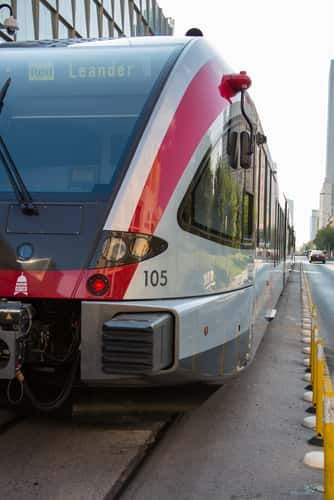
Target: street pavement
x=246, y=442
x=321, y=281
x=52, y=460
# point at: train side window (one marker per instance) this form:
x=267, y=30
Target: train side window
x=247, y=224
x=278, y=236
x=282, y=235
x=285, y=228
x=261, y=199
x=291, y=241
x=273, y=225
x=212, y=207
x=269, y=205
x=232, y=148
x=265, y=202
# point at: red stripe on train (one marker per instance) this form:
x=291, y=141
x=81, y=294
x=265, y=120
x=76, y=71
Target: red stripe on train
x=199, y=107
x=63, y=284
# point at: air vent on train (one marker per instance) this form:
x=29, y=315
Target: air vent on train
x=138, y=343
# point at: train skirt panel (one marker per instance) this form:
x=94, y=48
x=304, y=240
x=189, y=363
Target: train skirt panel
x=185, y=338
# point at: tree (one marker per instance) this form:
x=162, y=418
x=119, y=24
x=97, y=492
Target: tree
x=325, y=239
x=307, y=246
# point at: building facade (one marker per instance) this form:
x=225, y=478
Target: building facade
x=53, y=19
x=314, y=221
x=325, y=202
x=331, y=221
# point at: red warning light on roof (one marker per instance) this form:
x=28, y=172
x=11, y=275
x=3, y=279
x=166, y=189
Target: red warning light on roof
x=231, y=84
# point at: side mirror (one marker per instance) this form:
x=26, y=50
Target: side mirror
x=232, y=149
x=246, y=150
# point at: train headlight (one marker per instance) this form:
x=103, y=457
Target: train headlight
x=140, y=247
x=114, y=249
x=118, y=248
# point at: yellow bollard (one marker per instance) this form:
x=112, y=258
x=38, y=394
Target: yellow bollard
x=320, y=389
x=318, y=393
x=314, y=340
x=328, y=387
x=329, y=445
x=314, y=315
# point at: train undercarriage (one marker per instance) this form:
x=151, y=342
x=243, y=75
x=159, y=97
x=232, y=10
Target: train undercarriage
x=42, y=349
x=39, y=340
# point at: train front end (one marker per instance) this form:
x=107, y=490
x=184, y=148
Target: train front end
x=99, y=142
x=71, y=118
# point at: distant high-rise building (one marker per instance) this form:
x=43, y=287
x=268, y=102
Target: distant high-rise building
x=314, y=224
x=51, y=19
x=330, y=127
x=325, y=202
x=326, y=207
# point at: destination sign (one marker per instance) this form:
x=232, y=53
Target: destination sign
x=99, y=71
x=46, y=71
x=41, y=72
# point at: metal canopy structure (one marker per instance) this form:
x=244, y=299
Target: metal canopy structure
x=60, y=19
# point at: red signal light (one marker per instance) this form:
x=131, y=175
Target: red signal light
x=98, y=284
x=231, y=84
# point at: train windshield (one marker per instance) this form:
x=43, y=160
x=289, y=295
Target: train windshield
x=70, y=117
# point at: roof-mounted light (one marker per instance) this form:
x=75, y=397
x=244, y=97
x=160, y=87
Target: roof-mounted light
x=231, y=84
x=10, y=24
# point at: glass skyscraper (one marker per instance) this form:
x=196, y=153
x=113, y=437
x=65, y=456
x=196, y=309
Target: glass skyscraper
x=326, y=204
x=330, y=127
x=52, y=19
x=314, y=224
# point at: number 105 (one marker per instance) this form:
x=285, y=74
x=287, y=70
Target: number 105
x=155, y=278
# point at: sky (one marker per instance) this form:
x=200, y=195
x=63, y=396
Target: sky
x=286, y=47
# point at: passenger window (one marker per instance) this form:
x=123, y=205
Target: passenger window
x=247, y=226
x=212, y=207
x=268, y=206
x=261, y=237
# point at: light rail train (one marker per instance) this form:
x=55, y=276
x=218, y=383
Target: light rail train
x=143, y=238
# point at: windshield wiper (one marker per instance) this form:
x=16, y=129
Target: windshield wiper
x=3, y=92
x=21, y=192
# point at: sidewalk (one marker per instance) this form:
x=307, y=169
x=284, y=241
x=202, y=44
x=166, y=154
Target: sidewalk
x=246, y=442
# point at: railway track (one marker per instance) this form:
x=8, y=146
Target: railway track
x=95, y=454
x=143, y=453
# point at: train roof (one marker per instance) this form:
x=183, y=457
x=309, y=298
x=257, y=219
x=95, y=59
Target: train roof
x=102, y=42
x=148, y=41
